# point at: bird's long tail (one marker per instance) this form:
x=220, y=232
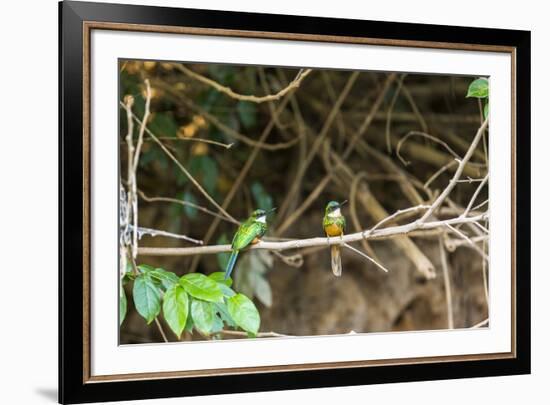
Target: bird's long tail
x=336, y=260
x=231, y=263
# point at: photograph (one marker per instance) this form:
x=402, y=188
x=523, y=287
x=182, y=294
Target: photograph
x=274, y=202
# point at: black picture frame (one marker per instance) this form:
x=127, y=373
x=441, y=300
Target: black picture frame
x=73, y=387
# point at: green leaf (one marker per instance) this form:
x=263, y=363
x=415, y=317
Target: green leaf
x=219, y=277
x=146, y=297
x=218, y=324
x=122, y=306
x=144, y=268
x=247, y=113
x=226, y=291
x=223, y=258
x=191, y=212
x=189, y=324
x=166, y=278
x=202, y=287
x=223, y=312
x=203, y=314
x=127, y=277
x=176, y=308
x=244, y=313
x=486, y=110
x=479, y=88
x=261, y=197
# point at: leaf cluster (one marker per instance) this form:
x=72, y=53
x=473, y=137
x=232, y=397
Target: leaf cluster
x=194, y=301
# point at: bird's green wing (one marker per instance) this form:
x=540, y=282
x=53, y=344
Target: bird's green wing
x=246, y=234
x=342, y=223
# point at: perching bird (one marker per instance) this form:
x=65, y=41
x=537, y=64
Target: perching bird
x=249, y=232
x=334, y=224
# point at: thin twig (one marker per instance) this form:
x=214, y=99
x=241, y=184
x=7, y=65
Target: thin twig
x=415, y=109
x=390, y=111
x=470, y=241
x=484, y=274
x=439, y=172
x=161, y=330
x=188, y=204
x=424, y=135
x=195, y=139
x=143, y=124
x=253, y=99
x=483, y=229
x=297, y=213
x=399, y=213
x=469, y=180
x=463, y=236
x=457, y=174
x=451, y=244
x=157, y=232
x=245, y=334
x=133, y=181
x=353, y=211
x=474, y=196
x=366, y=257
x=480, y=205
x=447, y=283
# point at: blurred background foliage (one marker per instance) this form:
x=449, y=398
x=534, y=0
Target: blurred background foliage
x=306, y=300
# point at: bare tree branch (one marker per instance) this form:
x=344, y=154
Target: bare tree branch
x=318, y=241
x=390, y=111
x=157, y=232
x=457, y=174
x=253, y=99
x=473, y=199
x=366, y=257
x=447, y=283
x=424, y=135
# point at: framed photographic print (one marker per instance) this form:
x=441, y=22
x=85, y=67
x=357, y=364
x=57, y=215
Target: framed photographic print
x=255, y=202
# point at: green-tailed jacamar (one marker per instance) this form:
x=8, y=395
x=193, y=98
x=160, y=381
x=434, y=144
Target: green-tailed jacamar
x=249, y=232
x=334, y=224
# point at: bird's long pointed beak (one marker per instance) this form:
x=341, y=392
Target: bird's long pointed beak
x=272, y=210
x=343, y=202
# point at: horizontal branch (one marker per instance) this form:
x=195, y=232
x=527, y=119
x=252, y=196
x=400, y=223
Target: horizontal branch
x=157, y=232
x=310, y=242
x=245, y=334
